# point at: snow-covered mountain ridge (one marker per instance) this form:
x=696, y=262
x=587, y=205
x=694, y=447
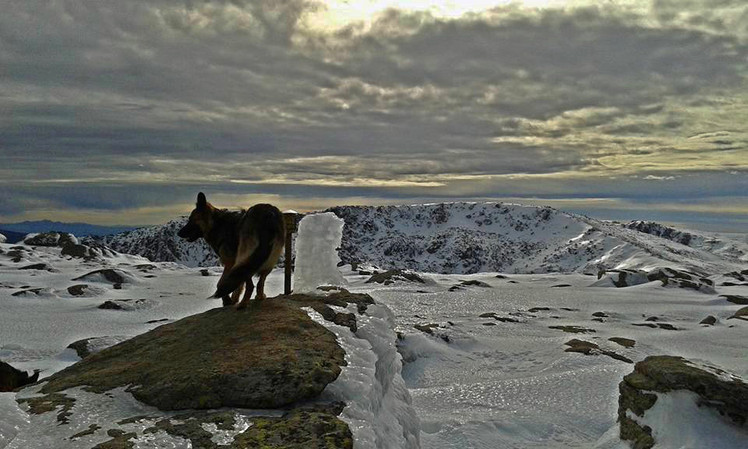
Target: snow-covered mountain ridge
x=464, y=237
x=161, y=244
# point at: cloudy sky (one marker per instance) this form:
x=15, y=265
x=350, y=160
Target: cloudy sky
x=117, y=111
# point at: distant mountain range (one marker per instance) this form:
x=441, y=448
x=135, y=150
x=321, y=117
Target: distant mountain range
x=16, y=231
x=478, y=237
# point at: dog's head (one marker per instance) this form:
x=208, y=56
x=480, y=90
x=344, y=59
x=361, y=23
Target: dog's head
x=200, y=220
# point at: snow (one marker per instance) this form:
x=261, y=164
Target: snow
x=35, y=331
x=316, y=252
x=678, y=422
x=512, y=385
x=12, y=418
x=471, y=385
x=379, y=411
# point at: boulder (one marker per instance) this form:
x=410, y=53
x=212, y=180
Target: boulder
x=390, y=276
x=736, y=299
x=589, y=348
x=741, y=314
x=38, y=266
x=11, y=378
x=78, y=289
x=668, y=277
x=268, y=356
x=42, y=239
x=75, y=250
x=92, y=345
x=28, y=292
x=110, y=275
x=50, y=239
x=128, y=304
x=625, y=342
x=638, y=392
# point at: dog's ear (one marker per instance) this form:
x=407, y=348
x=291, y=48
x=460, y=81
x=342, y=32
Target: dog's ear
x=201, y=201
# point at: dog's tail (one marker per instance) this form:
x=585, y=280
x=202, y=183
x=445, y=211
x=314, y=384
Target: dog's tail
x=268, y=233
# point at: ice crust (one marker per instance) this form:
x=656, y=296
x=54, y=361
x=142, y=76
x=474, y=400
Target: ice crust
x=378, y=411
x=316, y=252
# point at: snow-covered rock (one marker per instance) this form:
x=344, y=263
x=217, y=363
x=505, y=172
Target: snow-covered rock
x=674, y=403
x=50, y=239
x=668, y=277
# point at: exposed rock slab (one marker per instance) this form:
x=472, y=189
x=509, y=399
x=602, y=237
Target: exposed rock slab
x=268, y=356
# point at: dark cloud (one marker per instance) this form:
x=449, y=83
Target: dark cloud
x=117, y=105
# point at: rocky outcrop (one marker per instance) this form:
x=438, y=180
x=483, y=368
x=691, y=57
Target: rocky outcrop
x=50, y=239
x=266, y=357
x=272, y=356
x=668, y=277
x=390, y=276
x=715, y=388
x=11, y=378
x=666, y=232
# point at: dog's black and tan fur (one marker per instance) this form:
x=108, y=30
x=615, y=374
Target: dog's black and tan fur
x=247, y=243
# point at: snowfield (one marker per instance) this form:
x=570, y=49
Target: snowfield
x=486, y=366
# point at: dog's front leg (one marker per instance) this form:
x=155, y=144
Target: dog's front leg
x=247, y=294
x=228, y=300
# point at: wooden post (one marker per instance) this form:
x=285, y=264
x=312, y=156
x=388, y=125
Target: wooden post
x=289, y=218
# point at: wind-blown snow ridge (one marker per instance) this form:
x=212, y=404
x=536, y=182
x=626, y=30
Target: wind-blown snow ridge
x=464, y=237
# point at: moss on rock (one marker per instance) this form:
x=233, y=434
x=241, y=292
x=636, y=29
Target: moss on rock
x=268, y=356
x=298, y=429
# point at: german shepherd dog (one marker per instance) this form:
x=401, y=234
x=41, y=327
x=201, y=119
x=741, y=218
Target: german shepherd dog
x=247, y=242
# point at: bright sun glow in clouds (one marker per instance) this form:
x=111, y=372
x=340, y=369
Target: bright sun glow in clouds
x=340, y=13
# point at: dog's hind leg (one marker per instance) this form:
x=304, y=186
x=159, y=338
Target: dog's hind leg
x=261, y=286
x=247, y=294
